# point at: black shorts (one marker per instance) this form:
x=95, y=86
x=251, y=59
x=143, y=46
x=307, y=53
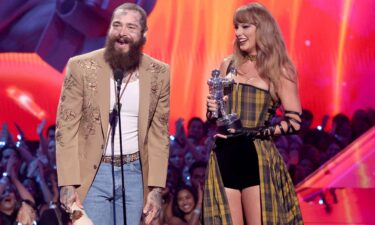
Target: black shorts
x=238, y=162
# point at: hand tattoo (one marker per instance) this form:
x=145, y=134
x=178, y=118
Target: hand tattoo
x=67, y=197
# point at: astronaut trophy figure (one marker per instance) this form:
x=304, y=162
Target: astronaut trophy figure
x=224, y=120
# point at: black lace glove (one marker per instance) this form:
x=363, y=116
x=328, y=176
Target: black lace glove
x=266, y=132
x=250, y=133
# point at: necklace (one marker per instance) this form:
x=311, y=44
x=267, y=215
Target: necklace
x=252, y=58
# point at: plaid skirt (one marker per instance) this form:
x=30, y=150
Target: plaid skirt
x=279, y=203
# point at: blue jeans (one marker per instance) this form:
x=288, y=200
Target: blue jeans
x=99, y=200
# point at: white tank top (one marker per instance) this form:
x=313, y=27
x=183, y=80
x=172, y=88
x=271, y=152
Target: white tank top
x=129, y=118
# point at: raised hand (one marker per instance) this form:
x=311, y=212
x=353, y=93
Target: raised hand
x=12, y=166
x=40, y=127
x=20, y=132
x=26, y=214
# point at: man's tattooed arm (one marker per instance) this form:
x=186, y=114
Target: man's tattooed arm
x=67, y=197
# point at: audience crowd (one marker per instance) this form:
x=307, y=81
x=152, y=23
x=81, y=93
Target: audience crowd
x=29, y=190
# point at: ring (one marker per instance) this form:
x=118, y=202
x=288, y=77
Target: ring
x=65, y=208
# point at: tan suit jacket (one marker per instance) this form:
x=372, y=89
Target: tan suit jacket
x=83, y=120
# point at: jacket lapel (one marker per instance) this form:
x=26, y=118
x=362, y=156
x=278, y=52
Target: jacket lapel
x=144, y=99
x=104, y=74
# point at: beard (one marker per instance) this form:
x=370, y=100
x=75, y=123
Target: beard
x=126, y=61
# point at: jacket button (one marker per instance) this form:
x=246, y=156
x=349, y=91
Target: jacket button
x=95, y=167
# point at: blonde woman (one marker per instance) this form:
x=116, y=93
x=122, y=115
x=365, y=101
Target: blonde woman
x=247, y=177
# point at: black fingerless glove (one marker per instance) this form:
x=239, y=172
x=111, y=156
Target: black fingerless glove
x=266, y=132
x=250, y=133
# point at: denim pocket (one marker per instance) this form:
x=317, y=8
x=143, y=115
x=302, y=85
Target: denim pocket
x=136, y=166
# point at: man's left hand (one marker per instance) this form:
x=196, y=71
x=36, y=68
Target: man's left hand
x=152, y=208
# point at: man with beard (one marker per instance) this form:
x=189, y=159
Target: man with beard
x=86, y=165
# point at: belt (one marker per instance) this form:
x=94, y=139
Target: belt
x=117, y=159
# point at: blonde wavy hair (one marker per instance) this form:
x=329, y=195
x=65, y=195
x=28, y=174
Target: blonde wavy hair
x=272, y=57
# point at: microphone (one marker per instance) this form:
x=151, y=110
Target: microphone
x=118, y=75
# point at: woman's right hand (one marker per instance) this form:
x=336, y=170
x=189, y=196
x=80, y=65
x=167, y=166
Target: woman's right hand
x=212, y=105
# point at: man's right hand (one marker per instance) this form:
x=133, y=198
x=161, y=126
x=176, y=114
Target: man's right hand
x=67, y=197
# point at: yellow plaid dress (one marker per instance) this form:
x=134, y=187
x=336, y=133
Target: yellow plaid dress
x=279, y=203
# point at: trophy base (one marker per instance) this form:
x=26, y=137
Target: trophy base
x=230, y=121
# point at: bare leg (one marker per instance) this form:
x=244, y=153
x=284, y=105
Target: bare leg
x=251, y=203
x=235, y=205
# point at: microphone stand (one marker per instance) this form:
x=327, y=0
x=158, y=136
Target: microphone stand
x=118, y=82
x=113, y=122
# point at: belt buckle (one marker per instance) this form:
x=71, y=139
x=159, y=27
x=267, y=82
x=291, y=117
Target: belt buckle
x=127, y=159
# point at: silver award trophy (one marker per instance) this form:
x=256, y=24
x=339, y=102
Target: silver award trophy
x=224, y=121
